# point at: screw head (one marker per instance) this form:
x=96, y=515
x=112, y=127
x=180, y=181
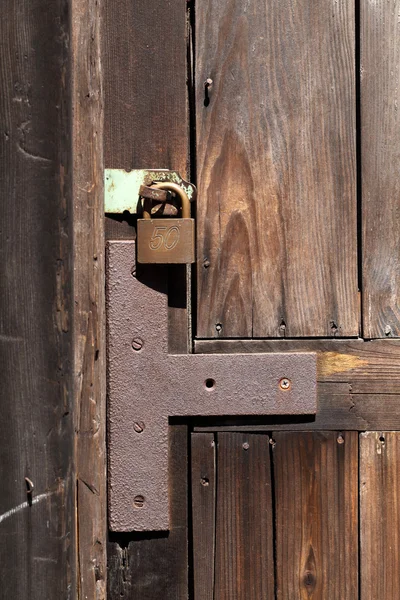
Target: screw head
x=285, y=383
x=246, y=446
x=137, y=344
x=139, y=426
x=138, y=501
x=206, y=263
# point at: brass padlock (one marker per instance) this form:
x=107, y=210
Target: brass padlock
x=170, y=240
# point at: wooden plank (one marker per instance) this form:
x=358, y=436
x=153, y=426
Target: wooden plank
x=276, y=219
x=244, y=565
x=145, y=91
x=89, y=301
x=203, y=514
x=316, y=500
x=154, y=566
x=37, y=531
x=380, y=155
x=380, y=514
x=355, y=362
x=146, y=126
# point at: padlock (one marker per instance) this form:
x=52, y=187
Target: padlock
x=163, y=240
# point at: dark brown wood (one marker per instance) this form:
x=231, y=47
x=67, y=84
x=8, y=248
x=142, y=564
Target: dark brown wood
x=316, y=502
x=203, y=461
x=37, y=530
x=146, y=126
x=380, y=155
x=145, y=92
x=89, y=302
x=277, y=243
x=380, y=514
x=154, y=566
x=244, y=565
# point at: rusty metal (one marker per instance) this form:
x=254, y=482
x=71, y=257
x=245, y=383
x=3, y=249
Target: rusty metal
x=122, y=188
x=161, y=201
x=154, y=193
x=150, y=385
x=167, y=241
x=180, y=192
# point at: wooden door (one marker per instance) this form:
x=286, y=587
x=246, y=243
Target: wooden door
x=285, y=116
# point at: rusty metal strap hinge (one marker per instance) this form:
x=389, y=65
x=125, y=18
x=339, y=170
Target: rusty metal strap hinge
x=146, y=386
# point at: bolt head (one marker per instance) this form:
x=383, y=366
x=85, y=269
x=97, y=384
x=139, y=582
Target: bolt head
x=137, y=344
x=138, y=501
x=285, y=383
x=139, y=426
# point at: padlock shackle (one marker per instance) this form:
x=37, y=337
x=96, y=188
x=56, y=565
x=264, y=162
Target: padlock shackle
x=172, y=187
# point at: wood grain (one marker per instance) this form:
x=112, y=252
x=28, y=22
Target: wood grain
x=37, y=531
x=277, y=235
x=380, y=154
x=154, y=566
x=316, y=500
x=380, y=514
x=244, y=565
x=89, y=301
x=145, y=91
x=144, y=57
x=203, y=467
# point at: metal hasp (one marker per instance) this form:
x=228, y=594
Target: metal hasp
x=146, y=386
x=122, y=188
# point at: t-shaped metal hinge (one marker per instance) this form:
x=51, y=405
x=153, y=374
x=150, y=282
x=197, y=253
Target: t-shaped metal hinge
x=146, y=386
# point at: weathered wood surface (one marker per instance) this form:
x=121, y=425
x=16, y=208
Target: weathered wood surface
x=380, y=156
x=203, y=469
x=154, y=566
x=146, y=126
x=37, y=542
x=380, y=514
x=277, y=239
x=316, y=501
x=89, y=302
x=145, y=91
x=244, y=564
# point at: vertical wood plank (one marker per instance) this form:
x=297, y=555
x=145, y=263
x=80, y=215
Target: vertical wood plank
x=380, y=514
x=37, y=531
x=89, y=302
x=144, y=53
x=380, y=155
x=276, y=219
x=316, y=499
x=145, y=72
x=244, y=564
x=154, y=566
x=203, y=468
